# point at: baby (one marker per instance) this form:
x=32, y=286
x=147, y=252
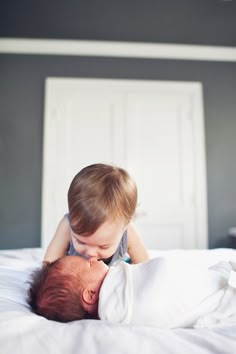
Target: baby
x=149, y=293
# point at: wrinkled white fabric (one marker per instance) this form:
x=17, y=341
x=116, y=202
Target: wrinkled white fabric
x=165, y=294
x=225, y=312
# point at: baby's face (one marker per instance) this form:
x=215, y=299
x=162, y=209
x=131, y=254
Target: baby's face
x=101, y=244
x=92, y=272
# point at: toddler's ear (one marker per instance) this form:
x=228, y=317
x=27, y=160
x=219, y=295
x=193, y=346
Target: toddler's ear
x=89, y=296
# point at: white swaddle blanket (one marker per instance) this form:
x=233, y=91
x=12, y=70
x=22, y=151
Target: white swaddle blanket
x=151, y=294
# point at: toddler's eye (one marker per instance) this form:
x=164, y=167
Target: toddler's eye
x=104, y=247
x=78, y=241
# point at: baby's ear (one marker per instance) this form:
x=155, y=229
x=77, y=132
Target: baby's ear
x=89, y=296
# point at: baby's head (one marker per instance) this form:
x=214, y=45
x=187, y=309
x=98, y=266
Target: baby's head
x=67, y=289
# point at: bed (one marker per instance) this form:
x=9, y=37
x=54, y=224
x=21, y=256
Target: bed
x=23, y=332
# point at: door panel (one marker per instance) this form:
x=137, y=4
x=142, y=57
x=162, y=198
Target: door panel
x=158, y=130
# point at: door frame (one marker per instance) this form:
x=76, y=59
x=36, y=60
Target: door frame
x=59, y=85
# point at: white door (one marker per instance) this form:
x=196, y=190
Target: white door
x=153, y=129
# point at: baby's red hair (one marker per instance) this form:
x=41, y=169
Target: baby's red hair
x=55, y=293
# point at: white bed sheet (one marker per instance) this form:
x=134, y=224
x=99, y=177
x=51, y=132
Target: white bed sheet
x=23, y=332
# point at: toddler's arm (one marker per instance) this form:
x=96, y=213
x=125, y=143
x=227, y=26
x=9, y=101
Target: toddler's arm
x=59, y=243
x=136, y=249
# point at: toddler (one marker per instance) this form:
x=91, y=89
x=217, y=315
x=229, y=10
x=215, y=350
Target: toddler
x=156, y=293
x=102, y=201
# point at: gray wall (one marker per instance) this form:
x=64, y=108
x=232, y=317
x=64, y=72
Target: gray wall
x=22, y=80
x=171, y=21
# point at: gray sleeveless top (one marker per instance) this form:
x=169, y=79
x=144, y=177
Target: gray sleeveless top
x=120, y=253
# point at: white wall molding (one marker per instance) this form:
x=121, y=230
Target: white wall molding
x=117, y=49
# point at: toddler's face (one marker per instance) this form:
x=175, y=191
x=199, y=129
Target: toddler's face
x=101, y=244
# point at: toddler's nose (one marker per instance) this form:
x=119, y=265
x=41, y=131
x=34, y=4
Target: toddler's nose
x=91, y=253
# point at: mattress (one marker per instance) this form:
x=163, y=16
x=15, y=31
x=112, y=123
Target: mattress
x=23, y=332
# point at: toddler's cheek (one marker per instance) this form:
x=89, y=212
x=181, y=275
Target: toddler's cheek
x=79, y=248
x=105, y=254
